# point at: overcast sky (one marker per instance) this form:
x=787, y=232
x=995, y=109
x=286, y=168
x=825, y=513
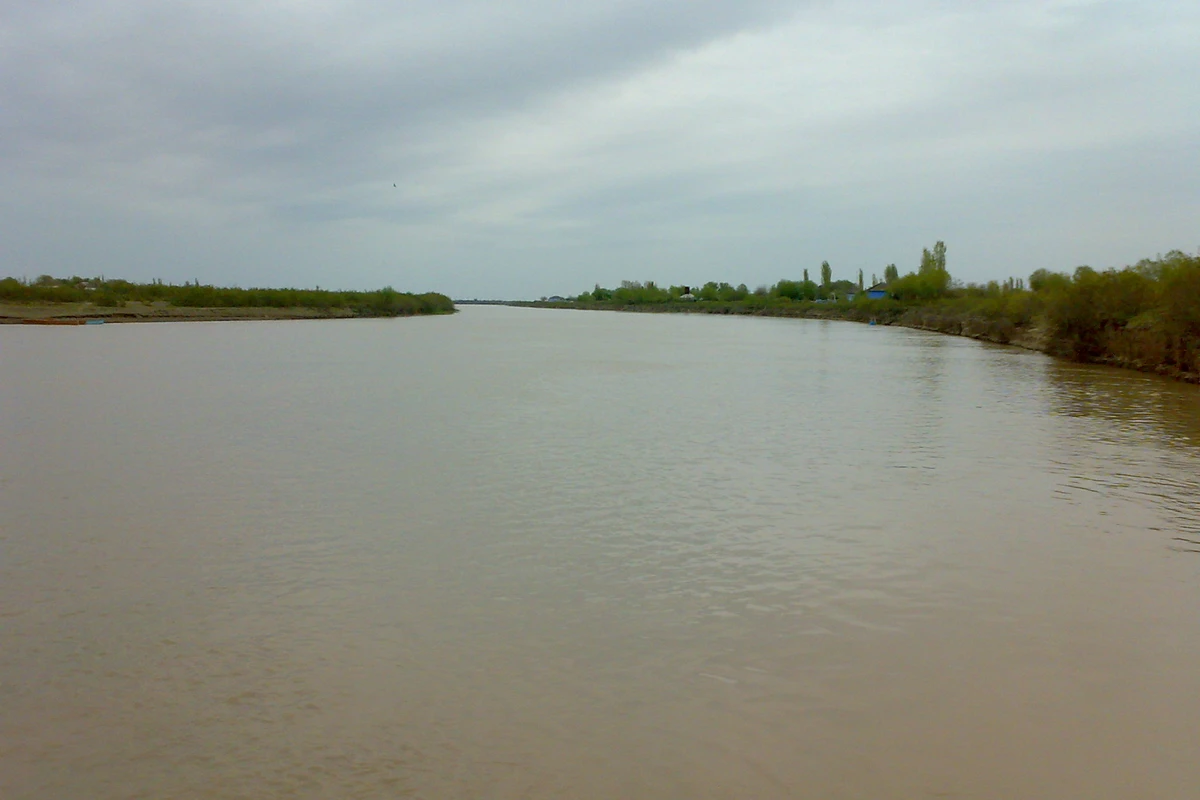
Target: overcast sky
x=533, y=147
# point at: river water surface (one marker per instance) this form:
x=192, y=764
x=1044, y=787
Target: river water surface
x=522, y=553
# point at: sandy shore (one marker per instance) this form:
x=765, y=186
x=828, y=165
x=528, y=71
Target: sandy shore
x=158, y=312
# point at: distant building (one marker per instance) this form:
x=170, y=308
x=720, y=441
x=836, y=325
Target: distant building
x=878, y=291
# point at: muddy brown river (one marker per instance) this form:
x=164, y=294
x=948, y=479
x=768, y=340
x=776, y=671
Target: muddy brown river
x=522, y=553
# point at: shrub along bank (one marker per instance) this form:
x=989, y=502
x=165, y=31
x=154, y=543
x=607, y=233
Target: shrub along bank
x=386, y=302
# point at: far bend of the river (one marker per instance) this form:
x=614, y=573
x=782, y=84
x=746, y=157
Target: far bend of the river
x=519, y=553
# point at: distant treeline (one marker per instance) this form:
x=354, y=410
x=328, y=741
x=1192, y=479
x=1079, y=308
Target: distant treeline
x=1144, y=316
x=386, y=302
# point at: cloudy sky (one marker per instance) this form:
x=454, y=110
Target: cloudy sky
x=532, y=147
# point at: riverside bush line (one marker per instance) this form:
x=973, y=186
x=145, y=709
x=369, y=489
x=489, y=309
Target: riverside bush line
x=1145, y=316
x=386, y=302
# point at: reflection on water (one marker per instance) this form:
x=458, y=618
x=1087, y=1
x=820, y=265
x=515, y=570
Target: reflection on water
x=1137, y=405
x=522, y=553
x=1144, y=431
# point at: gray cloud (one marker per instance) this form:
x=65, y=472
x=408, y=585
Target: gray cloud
x=537, y=147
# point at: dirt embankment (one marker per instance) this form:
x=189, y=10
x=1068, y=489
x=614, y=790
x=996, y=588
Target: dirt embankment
x=921, y=318
x=1038, y=337
x=999, y=331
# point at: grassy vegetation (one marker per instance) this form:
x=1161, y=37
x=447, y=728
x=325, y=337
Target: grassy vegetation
x=1145, y=316
x=47, y=290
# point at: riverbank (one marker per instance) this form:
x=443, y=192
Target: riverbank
x=1029, y=337
x=67, y=313
x=1035, y=332
x=114, y=300
x=153, y=312
x=1142, y=317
